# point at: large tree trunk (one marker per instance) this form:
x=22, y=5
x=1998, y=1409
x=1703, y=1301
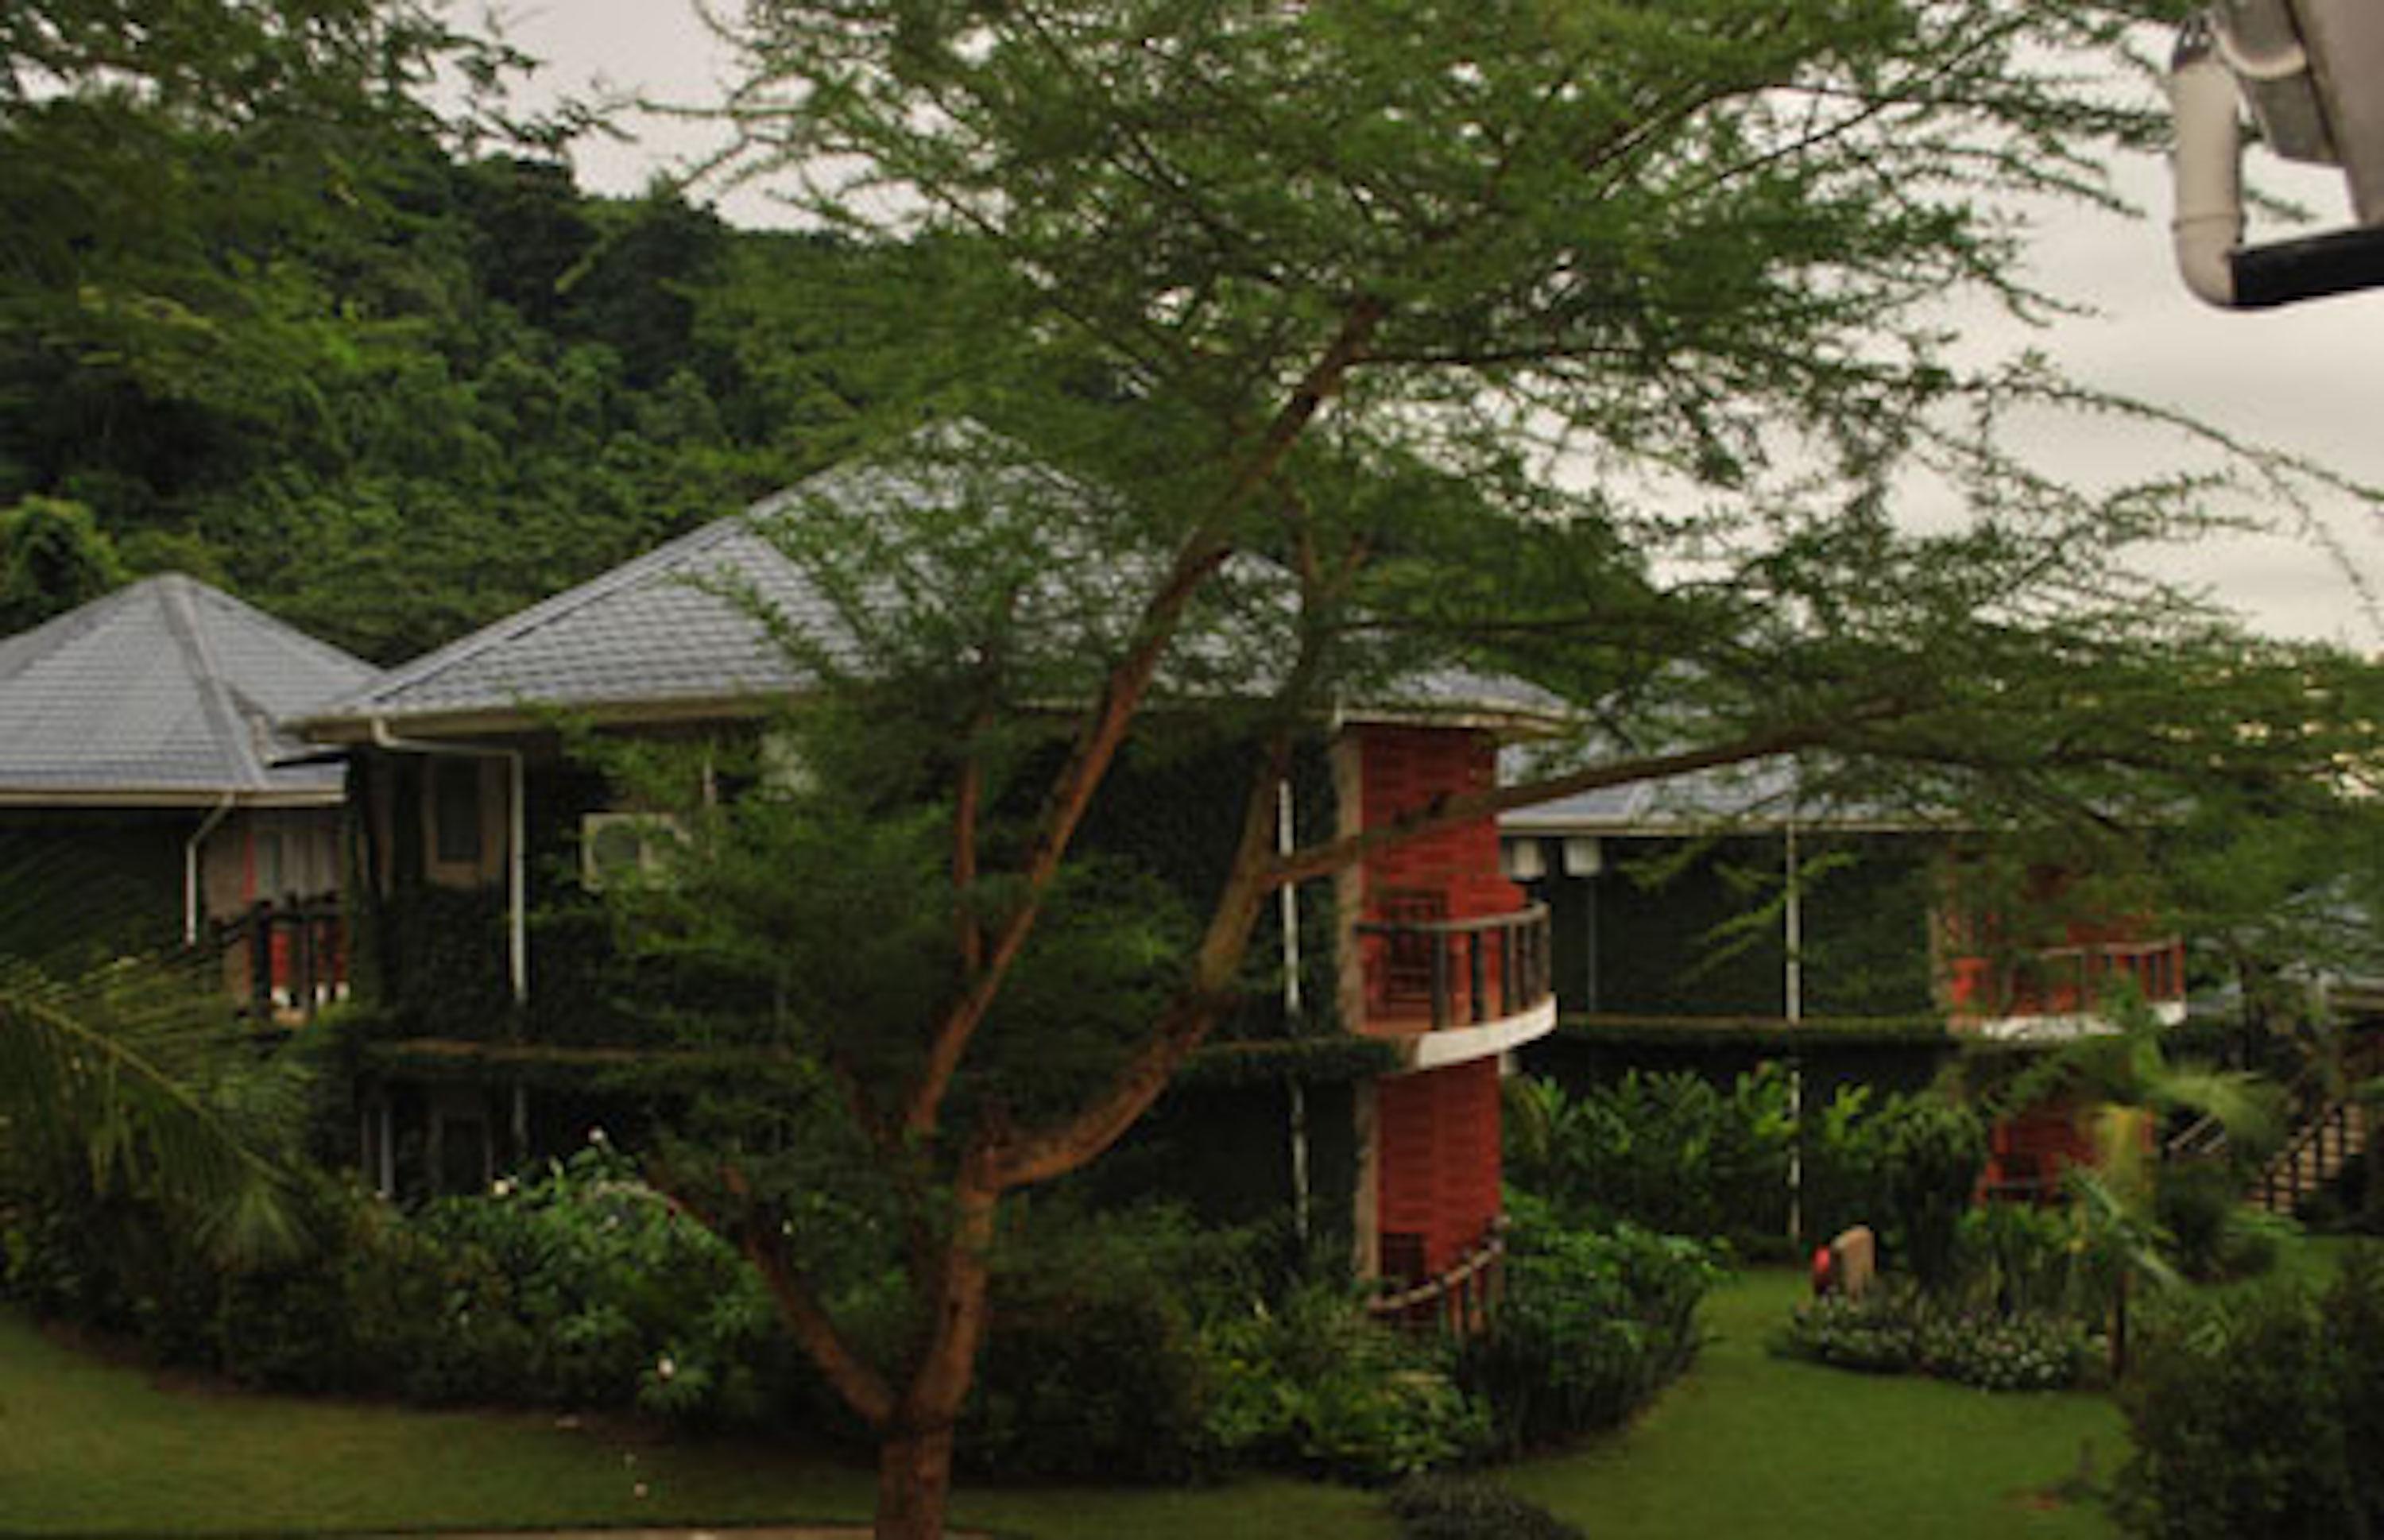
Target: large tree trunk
x=914, y=1450
x=914, y=1482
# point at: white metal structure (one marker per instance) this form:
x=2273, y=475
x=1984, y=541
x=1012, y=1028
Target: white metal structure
x=2312, y=74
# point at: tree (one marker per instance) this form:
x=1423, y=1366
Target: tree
x=1594, y=341
x=52, y=559
x=271, y=315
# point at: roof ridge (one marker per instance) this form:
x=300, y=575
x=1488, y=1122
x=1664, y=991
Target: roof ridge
x=177, y=597
x=90, y=614
x=555, y=607
x=265, y=620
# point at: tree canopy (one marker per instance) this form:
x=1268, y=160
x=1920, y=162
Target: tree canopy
x=383, y=369
x=1600, y=344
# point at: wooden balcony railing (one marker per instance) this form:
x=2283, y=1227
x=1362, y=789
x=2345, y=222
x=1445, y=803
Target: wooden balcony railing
x=286, y=961
x=1458, y=1301
x=2065, y=980
x=1456, y=972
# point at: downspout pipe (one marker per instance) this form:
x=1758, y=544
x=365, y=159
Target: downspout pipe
x=190, y=852
x=2207, y=225
x=1287, y=839
x=516, y=825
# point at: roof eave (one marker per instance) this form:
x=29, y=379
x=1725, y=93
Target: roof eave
x=1504, y=720
x=355, y=727
x=169, y=797
x=1524, y=822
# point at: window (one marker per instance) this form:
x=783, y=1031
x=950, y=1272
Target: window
x=455, y=811
x=613, y=845
x=265, y=852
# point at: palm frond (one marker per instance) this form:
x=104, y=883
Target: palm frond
x=133, y=1080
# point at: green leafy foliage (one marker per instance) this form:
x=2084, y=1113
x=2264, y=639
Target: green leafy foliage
x=1669, y=1151
x=53, y=557
x=1589, y=1326
x=382, y=370
x=2017, y=1257
x=1097, y=1370
x=1899, y=1330
x=1465, y=1508
x=1935, y=1151
x=599, y=1294
x=2252, y=1410
x=130, y=1085
x=1308, y=1382
x=577, y=1287
x=1675, y=1152
x=2212, y=1235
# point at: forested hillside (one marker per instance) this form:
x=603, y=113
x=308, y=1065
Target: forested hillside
x=267, y=318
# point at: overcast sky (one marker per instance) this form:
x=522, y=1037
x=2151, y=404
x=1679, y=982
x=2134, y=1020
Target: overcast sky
x=2302, y=379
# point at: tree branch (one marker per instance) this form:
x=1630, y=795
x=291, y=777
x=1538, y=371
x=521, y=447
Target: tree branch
x=763, y=1245
x=1187, y=1018
x=1106, y=724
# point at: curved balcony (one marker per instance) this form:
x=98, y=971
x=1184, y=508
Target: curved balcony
x=2055, y=993
x=1450, y=990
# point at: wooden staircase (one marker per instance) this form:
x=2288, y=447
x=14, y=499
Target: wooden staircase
x=2325, y=1141
x=2330, y=1129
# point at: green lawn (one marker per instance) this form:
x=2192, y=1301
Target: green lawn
x=91, y=1447
x=1754, y=1444
x=1747, y=1446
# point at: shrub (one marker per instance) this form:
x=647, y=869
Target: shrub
x=2212, y=1235
x=2237, y=1410
x=1875, y=1334
x=2030, y=1352
x=1667, y=1151
x=579, y=1286
x=1312, y=1384
x=1093, y=1365
x=1459, y=1507
x=2018, y=1259
x=602, y=1294
x=1844, y=1179
x=2354, y=1313
x=1588, y=1328
x=1936, y=1150
x=1676, y=1153
x=1901, y=1330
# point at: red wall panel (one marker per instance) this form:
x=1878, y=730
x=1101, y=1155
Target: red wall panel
x=1437, y=1179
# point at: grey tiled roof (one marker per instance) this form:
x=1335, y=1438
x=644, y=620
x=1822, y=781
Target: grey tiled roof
x=1761, y=794
x=1753, y=793
x=167, y=689
x=668, y=629
x=1465, y=689
x=650, y=631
